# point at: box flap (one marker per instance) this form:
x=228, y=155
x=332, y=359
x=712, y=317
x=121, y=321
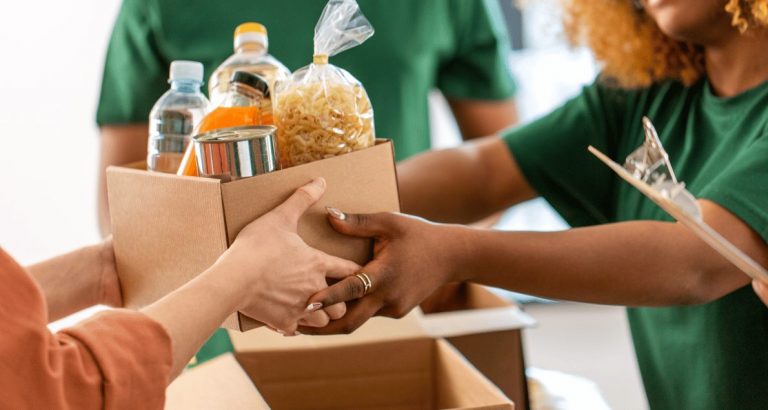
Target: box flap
x=375, y=330
x=217, y=384
x=459, y=323
x=459, y=385
x=167, y=229
x=460, y=309
x=361, y=181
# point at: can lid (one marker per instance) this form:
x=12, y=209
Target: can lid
x=252, y=80
x=241, y=133
x=186, y=70
x=250, y=33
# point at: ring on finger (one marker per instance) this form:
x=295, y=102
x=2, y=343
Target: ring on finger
x=367, y=283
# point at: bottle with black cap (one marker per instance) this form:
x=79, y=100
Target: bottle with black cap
x=246, y=103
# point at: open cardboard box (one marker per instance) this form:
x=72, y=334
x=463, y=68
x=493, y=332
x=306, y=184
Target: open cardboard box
x=489, y=334
x=167, y=228
x=419, y=373
x=485, y=327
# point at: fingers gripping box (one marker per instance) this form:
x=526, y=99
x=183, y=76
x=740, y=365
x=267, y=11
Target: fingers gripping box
x=167, y=229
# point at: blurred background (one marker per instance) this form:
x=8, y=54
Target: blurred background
x=50, y=81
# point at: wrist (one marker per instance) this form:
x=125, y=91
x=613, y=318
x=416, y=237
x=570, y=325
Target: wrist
x=108, y=290
x=460, y=243
x=223, y=284
x=243, y=276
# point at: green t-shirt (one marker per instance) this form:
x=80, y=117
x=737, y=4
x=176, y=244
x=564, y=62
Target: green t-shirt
x=458, y=46
x=708, y=356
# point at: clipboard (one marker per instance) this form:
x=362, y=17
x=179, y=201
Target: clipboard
x=673, y=198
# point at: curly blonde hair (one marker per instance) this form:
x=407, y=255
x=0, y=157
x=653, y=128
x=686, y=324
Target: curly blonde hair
x=631, y=47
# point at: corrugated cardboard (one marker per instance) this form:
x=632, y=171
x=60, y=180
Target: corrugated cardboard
x=418, y=373
x=485, y=327
x=218, y=384
x=487, y=337
x=168, y=228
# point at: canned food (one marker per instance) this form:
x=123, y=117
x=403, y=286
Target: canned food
x=234, y=153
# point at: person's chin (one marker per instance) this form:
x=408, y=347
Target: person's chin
x=676, y=28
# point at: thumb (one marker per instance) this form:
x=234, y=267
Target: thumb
x=301, y=200
x=361, y=225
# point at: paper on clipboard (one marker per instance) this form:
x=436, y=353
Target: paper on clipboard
x=672, y=196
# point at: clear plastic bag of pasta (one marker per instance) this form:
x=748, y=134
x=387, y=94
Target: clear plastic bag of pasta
x=322, y=111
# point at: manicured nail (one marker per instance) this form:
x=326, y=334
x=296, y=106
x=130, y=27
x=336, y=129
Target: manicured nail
x=319, y=181
x=314, y=306
x=336, y=213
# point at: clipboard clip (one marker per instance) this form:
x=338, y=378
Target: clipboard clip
x=650, y=164
x=648, y=169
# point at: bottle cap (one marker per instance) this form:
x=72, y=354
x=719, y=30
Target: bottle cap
x=187, y=70
x=252, y=80
x=250, y=33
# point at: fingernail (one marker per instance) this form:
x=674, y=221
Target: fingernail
x=314, y=306
x=319, y=181
x=280, y=332
x=336, y=213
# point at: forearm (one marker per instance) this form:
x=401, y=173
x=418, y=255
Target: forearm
x=639, y=263
x=193, y=312
x=462, y=185
x=481, y=118
x=72, y=282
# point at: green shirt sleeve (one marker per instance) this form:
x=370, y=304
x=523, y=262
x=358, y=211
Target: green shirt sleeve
x=479, y=68
x=552, y=154
x=135, y=71
x=742, y=187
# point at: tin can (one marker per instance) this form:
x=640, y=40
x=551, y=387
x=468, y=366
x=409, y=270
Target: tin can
x=234, y=153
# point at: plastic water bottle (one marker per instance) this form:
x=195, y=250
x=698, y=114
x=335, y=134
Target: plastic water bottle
x=174, y=117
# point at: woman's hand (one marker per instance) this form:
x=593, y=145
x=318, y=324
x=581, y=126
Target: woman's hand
x=109, y=292
x=761, y=288
x=412, y=258
x=279, y=271
x=79, y=279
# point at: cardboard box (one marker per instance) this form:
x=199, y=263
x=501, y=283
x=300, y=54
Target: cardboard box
x=487, y=336
x=486, y=328
x=168, y=228
x=417, y=373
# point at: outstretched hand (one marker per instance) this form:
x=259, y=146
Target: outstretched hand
x=412, y=258
x=281, y=271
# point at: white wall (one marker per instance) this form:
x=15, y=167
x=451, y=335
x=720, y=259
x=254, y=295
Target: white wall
x=49, y=81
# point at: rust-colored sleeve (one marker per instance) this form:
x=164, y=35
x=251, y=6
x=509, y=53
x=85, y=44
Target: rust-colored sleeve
x=115, y=360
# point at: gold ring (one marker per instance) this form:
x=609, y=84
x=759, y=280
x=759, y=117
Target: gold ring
x=367, y=283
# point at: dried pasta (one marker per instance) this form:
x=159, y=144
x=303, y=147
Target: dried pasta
x=322, y=119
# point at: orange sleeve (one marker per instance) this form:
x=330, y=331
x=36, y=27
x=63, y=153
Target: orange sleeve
x=115, y=360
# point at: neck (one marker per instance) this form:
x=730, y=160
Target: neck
x=737, y=63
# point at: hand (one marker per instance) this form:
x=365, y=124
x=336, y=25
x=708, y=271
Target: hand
x=761, y=288
x=279, y=271
x=412, y=258
x=109, y=283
